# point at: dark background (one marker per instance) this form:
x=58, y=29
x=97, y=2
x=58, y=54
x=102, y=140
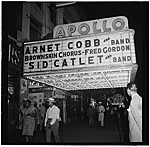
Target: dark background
x=137, y=14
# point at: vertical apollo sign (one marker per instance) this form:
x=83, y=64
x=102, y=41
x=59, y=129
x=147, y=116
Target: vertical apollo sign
x=111, y=45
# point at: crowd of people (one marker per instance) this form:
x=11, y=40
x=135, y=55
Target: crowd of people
x=49, y=117
x=96, y=112
x=129, y=116
x=29, y=119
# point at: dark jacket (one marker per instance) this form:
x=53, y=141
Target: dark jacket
x=90, y=112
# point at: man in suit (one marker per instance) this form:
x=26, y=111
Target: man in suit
x=91, y=115
x=135, y=114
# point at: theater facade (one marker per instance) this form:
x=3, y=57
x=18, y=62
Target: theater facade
x=93, y=54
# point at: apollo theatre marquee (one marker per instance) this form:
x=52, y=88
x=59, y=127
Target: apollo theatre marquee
x=86, y=55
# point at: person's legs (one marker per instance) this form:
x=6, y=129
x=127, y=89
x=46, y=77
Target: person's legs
x=48, y=132
x=90, y=122
x=27, y=138
x=99, y=120
x=30, y=138
x=55, y=129
x=102, y=120
x=41, y=123
x=35, y=128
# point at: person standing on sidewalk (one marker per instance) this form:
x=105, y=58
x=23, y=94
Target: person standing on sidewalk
x=91, y=115
x=42, y=116
x=135, y=114
x=28, y=119
x=52, y=121
x=37, y=115
x=101, y=111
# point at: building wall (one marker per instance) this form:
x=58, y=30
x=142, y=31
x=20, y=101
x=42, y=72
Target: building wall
x=25, y=22
x=44, y=17
x=20, y=33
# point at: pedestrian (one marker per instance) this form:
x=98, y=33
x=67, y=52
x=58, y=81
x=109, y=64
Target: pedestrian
x=21, y=113
x=135, y=114
x=124, y=122
x=28, y=119
x=91, y=115
x=52, y=121
x=37, y=115
x=101, y=111
x=96, y=111
x=42, y=116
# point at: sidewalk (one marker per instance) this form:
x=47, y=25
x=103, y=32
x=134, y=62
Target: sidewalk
x=77, y=132
x=80, y=132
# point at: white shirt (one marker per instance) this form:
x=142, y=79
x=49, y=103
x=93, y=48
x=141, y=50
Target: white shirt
x=101, y=109
x=52, y=113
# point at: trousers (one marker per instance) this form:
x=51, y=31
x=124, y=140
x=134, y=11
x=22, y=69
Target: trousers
x=101, y=118
x=41, y=122
x=54, y=129
x=91, y=121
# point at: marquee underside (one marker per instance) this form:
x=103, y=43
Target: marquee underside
x=93, y=78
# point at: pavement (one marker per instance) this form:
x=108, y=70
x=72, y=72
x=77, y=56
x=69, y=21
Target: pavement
x=76, y=132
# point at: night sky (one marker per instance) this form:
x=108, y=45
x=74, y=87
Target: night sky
x=137, y=15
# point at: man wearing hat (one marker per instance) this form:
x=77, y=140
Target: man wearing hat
x=51, y=121
x=91, y=115
x=101, y=111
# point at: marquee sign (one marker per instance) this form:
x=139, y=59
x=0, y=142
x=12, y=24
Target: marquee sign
x=91, y=27
x=82, y=52
x=86, y=55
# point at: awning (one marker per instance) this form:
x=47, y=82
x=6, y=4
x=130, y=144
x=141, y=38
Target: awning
x=93, y=78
